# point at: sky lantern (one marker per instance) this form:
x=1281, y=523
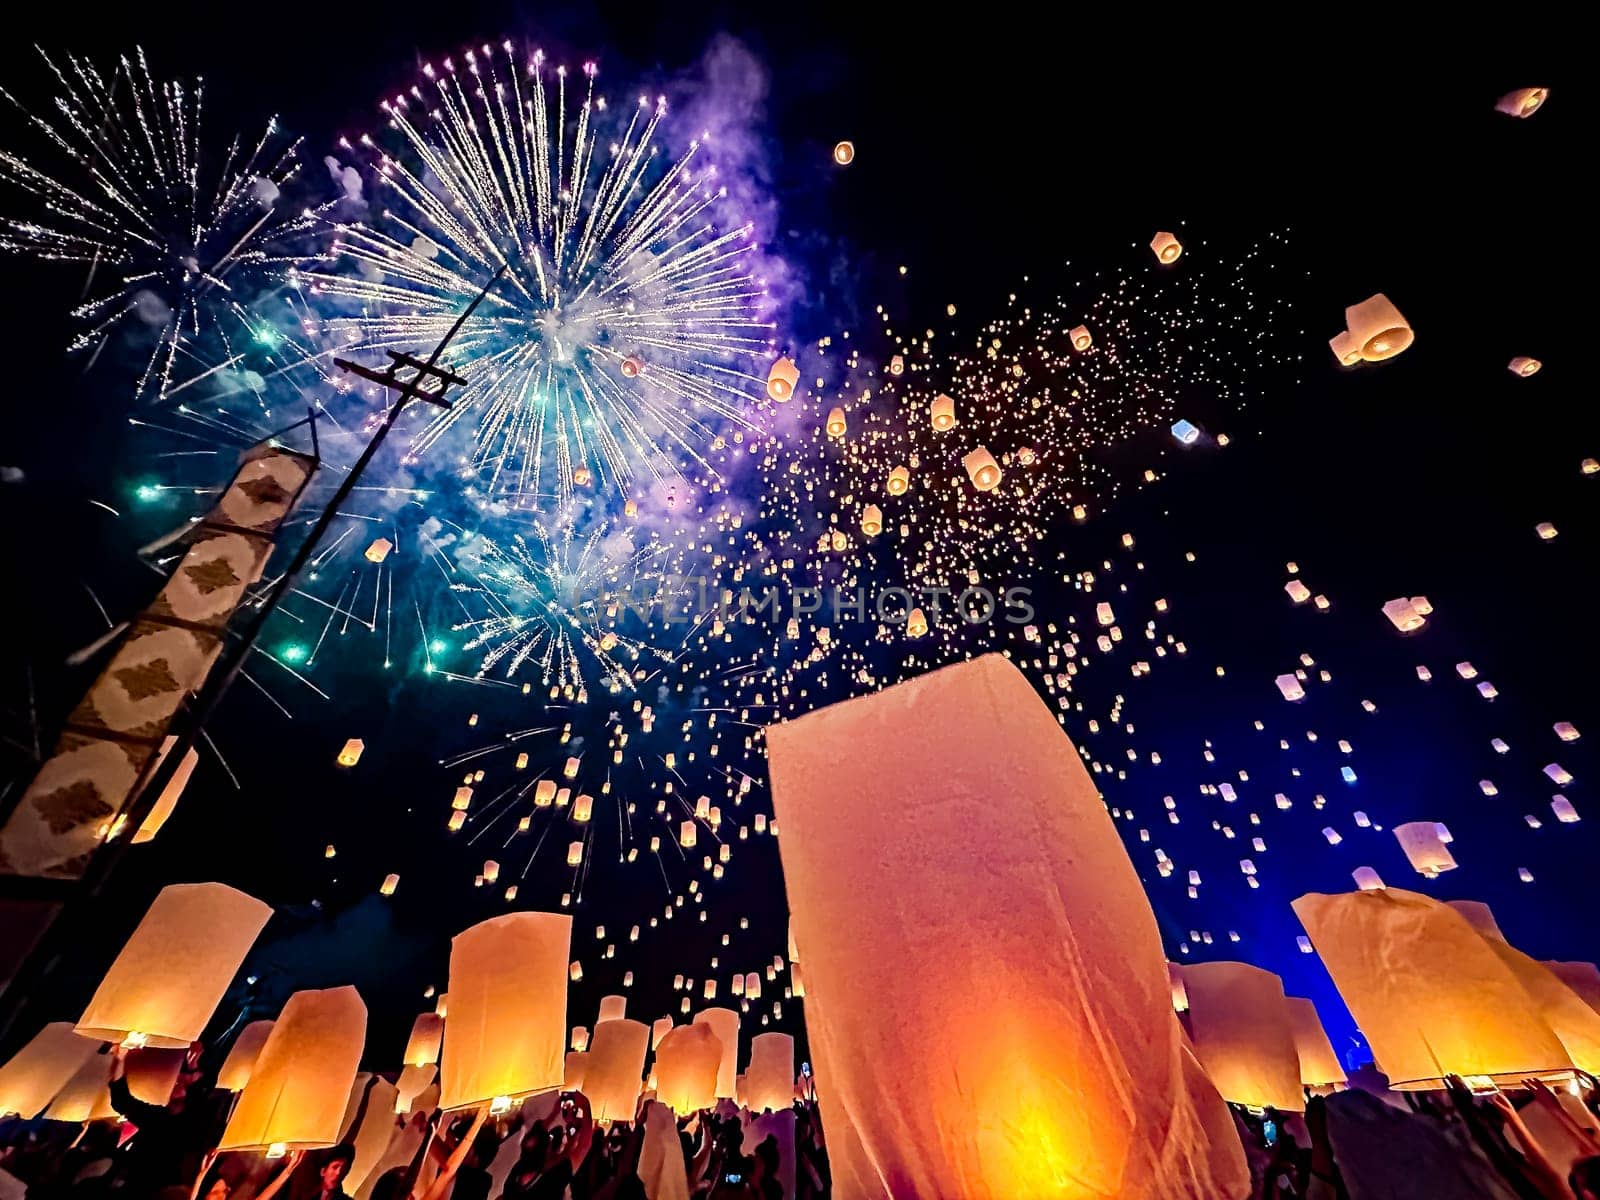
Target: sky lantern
x=942, y=413
x=170, y=794
x=724, y=1022
x=379, y=550
x=982, y=469
x=1239, y=1026
x=425, y=1041
x=582, y=808
x=1377, y=328
x=1431, y=997
x=1523, y=102
x=1582, y=977
x=615, y=1067
x=844, y=153
x=175, y=967
x=632, y=366
x=899, y=481
x=916, y=626
x=582, y=477
x=508, y=1009
x=574, y=1070
x=1427, y=852
x=392, y=880
x=686, y=835
x=38, y=1071
x=612, y=1008
x=836, y=422
x=1407, y=614
x=241, y=1061
x=872, y=520
x=1012, y=1006
x=1345, y=348
x=544, y=792
x=1166, y=247
x=84, y=1097
x=1080, y=337
x=688, y=1058
x=295, y=1099
x=769, y=1079
x=570, y=770
x=782, y=379
x=575, y=854
x=350, y=755
x=1523, y=366
x=1319, y=1065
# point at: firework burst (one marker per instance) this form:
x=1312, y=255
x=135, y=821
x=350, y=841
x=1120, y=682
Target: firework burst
x=175, y=247
x=628, y=324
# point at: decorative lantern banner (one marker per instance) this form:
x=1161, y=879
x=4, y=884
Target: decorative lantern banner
x=295, y=1099
x=615, y=1068
x=508, y=1010
x=175, y=967
x=1239, y=1025
x=112, y=737
x=38, y=1071
x=1319, y=1065
x=1006, y=998
x=1564, y=1010
x=724, y=1022
x=769, y=1079
x=242, y=1055
x=1430, y=995
x=687, y=1060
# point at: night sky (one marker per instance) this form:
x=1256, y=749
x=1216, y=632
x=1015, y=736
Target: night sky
x=985, y=154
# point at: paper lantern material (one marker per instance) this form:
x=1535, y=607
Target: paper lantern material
x=982, y=469
x=661, y=1168
x=1582, y=977
x=1319, y=1065
x=1011, y=1006
x=371, y=1137
x=1523, y=102
x=942, y=412
x=782, y=379
x=769, y=1079
x=1378, y=328
x=175, y=967
x=1424, y=848
x=1167, y=248
x=412, y=1083
x=724, y=1022
x=612, y=1008
x=574, y=1070
x=87, y=1095
x=41, y=1069
x=1430, y=996
x=151, y=1073
x=688, y=1058
x=615, y=1068
x=167, y=802
x=296, y=1094
x=508, y=1009
x=427, y=1036
x=659, y=1030
x=241, y=1061
x=1239, y=1025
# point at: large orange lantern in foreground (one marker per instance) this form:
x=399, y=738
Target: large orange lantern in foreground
x=1319, y=1065
x=1582, y=977
x=39, y=1070
x=242, y=1055
x=724, y=1022
x=1010, y=1006
x=687, y=1060
x=1431, y=997
x=1377, y=328
x=295, y=1099
x=769, y=1079
x=171, y=974
x=1240, y=1028
x=615, y=1067
x=508, y=1009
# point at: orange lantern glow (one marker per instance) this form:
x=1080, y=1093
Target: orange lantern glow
x=295, y=1099
x=769, y=1079
x=1345, y=348
x=350, y=755
x=782, y=379
x=427, y=1037
x=982, y=469
x=1167, y=248
x=170, y=794
x=1523, y=102
x=1239, y=1026
x=1012, y=1005
x=1582, y=977
x=943, y=413
x=899, y=481
x=379, y=550
x=916, y=626
x=1524, y=366
x=836, y=423
x=574, y=1071
x=688, y=1058
x=38, y=1071
x=508, y=1009
x=723, y=1022
x=612, y=1008
x=872, y=520
x=686, y=835
x=412, y=1083
x=241, y=1061
x=631, y=367
x=1319, y=1065
x=1428, y=993
x=86, y=1096
x=844, y=153
x=1377, y=327
x=171, y=974
x=615, y=1068
x=1081, y=338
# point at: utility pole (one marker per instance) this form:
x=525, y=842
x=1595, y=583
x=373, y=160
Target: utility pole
x=428, y=382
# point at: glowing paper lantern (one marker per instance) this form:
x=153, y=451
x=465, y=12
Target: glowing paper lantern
x=782, y=379
x=723, y=1022
x=39, y=1070
x=295, y=1099
x=1425, y=849
x=982, y=469
x=872, y=520
x=942, y=413
x=1011, y=1007
x=836, y=423
x=769, y=1079
x=1186, y=432
x=612, y=1008
x=916, y=626
x=1405, y=614
x=350, y=755
x=1582, y=977
x=615, y=1068
x=580, y=1038
x=688, y=1058
x=1298, y=591
x=574, y=854
x=1289, y=686
x=1080, y=336
x=1166, y=247
x=1319, y=1065
x=899, y=481
x=170, y=794
x=1431, y=997
x=1345, y=348
x=686, y=835
x=379, y=550
x=631, y=367
x=1378, y=328
x=1524, y=366
x=1239, y=1027
x=241, y=1061
x=844, y=153
x=582, y=808
x=574, y=1070
x=427, y=1036
x=171, y=974
x=1523, y=102
x=508, y=1009
x=86, y=1096
x=391, y=881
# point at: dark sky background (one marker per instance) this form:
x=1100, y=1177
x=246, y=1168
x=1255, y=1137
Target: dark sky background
x=987, y=151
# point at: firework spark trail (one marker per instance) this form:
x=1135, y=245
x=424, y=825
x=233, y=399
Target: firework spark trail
x=628, y=325
x=134, y=201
